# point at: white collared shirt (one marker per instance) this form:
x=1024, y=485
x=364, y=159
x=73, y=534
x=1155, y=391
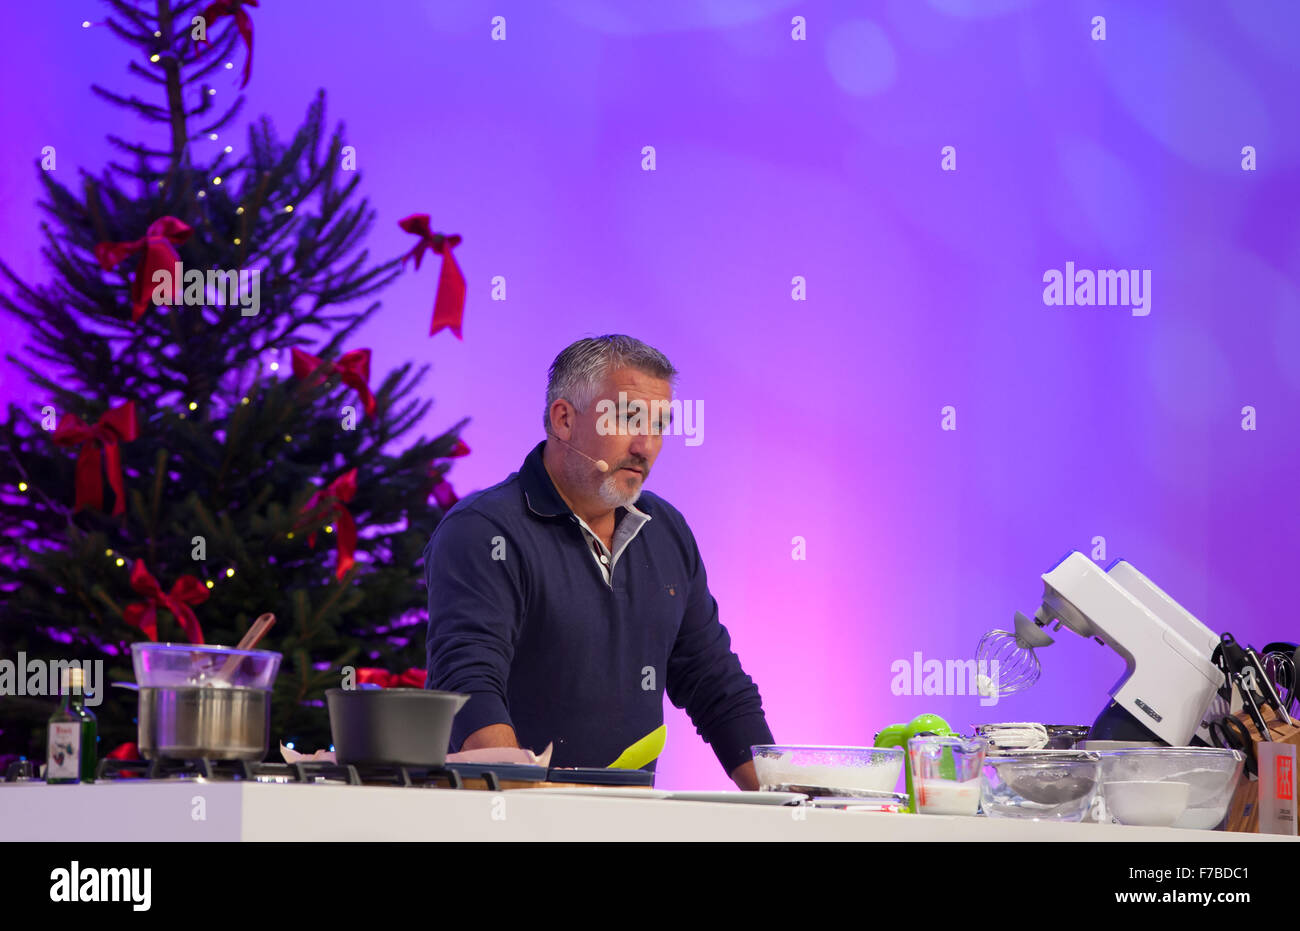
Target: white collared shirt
x=628, y=527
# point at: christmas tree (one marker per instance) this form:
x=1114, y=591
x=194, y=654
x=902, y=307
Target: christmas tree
x=209, y=446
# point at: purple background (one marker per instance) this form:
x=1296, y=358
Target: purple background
x=821, y=158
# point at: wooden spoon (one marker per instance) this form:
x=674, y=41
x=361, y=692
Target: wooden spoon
x=255, y=633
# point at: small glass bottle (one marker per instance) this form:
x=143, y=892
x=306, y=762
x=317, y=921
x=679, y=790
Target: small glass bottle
x=71, y=745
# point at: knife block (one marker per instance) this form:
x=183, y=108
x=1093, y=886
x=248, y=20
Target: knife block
x=1243, y=812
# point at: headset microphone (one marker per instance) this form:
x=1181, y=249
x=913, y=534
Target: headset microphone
x=600, y=464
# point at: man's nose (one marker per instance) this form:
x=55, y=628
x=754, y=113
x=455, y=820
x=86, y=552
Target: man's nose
x=644, y=446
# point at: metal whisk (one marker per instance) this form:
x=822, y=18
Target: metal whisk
x=1005, y=660
x=1280, y=667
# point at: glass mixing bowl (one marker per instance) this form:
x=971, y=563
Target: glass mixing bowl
x=1040, y=785
x=186, y=665
x=1210, y=773
x=823, y=771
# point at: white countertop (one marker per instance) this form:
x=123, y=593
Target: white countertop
x=245, y=811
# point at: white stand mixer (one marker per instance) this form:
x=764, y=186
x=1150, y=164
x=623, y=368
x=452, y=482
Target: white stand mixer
x=1169, y=681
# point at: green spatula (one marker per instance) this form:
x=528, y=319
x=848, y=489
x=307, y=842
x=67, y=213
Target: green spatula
x=644, y=751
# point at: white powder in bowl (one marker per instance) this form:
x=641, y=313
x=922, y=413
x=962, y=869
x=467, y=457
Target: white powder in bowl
x=881, y=777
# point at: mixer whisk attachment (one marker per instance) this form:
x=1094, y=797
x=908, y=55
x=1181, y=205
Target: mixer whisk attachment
x=1280, y=667
x=1005, y=660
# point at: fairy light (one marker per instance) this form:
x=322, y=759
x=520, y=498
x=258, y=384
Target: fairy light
x=229, y=65
x=230, y=148
x=85, y=24
x=212, y=91
x=203, y=193
x=290, y=535
x=230, y=573
x=154, y=57
x=243, y=400
x=288, y=208
x=121, y=561
x=22, y=486
x=217, y=179
x=238, y=241
x=275, y=366
x=194, y=405
x=329, y=528
x=108, y=552
x=157, y=34
x=209, y=583
x=288, y=438
x=239, y=210
x=212, y=136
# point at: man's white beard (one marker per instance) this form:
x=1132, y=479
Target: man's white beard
x=609, y=490
x=612, y=493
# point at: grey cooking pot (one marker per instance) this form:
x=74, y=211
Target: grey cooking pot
x=187, y=722
x=406, y=727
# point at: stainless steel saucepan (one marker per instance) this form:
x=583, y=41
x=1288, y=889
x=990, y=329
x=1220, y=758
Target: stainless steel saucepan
x=203, y=701
x=199, y=721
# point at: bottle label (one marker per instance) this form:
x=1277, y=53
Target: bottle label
x=63, y=760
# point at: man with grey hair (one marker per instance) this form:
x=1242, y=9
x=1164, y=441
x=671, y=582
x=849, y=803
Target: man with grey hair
x=566, y=601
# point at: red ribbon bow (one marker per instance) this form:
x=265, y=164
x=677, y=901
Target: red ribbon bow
x=354, y=367
x=441, y=489
x=410, y=679
x=187, y=591
x=449, y=304
x=334, y=496
x=243, y=22
x=158, y=252
x=444, y=494
x=117, y=425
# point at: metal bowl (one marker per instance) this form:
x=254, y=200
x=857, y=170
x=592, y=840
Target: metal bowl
x=1066, y=736
x=198, y=721
x=1032, y=736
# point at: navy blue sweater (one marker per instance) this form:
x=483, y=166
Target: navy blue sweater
x=521, y=619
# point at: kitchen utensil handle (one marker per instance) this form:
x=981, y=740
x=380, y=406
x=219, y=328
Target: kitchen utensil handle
x=255, y=633
x=1266, y=686
x=1248, y=699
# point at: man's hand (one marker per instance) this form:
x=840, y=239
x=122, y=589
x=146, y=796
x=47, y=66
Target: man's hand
x=745, y=777
x=494, y=735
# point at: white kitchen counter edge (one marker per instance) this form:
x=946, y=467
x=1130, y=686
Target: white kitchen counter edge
x=226, y=811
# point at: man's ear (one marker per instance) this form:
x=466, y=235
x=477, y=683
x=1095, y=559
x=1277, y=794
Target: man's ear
x=562, y=419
